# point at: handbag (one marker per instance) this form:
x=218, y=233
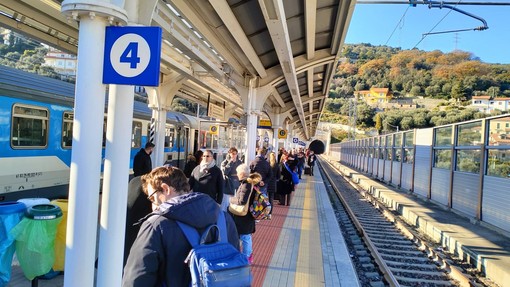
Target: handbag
x=240, y=209
x=260, y=208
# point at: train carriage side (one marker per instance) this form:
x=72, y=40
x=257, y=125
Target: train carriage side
x=34, y=159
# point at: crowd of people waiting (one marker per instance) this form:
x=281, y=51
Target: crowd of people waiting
x=155, y=246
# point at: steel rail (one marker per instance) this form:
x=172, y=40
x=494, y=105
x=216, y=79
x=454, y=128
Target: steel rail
x=388, y=275
x=454, y=272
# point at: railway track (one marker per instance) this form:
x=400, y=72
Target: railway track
x=384, y=249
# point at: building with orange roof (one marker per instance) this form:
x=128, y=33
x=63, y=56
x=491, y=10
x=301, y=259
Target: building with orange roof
x=488, y=104
x=375, y=96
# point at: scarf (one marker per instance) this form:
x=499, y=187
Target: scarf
x=204, y=166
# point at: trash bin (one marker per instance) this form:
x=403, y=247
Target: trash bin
x=60, y=240
x=35, y=239
x=29, y=202
x=11, y=213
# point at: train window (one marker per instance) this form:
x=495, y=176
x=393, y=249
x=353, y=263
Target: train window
x=468, y=160
x=443, y=158
x=136, y=134
x=29, y=127
x=499, y=134
x=104, y=132
x=169, y=137
x=469, y=134
x=443, y=136
x=67, y=129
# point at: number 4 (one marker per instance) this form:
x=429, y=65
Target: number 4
x=130, y=55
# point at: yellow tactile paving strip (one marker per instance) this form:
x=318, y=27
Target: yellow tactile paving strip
x=309, y=267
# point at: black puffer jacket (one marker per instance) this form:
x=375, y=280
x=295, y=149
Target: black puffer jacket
x=210, y=182
x=158, y=254
x=261, y=165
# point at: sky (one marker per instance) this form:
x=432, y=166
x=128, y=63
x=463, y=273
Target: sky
x=375, y=23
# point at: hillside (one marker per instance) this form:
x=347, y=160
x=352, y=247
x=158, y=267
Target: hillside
x=418, y=73
x=450, y=79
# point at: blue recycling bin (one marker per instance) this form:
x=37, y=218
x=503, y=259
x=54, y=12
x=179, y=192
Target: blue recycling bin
x=11, y=214
x=35, y=239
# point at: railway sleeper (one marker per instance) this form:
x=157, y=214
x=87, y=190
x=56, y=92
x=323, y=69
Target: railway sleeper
x=407, y=252
x=431, y=273
x=411, y=282
x=394, y=258
x=412, y=266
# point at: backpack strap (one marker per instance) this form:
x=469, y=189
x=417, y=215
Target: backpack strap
x=194, y=237
x=191, y=233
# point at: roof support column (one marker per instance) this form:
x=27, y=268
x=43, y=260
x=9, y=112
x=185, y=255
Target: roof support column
x=84, y=180
x=277, y=124
x=160, y=101
x=115, y=185
x=253, y=101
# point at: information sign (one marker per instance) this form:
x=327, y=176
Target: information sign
x=282, y=134
x=295, y=140
x=132, y=56
x=216, y=112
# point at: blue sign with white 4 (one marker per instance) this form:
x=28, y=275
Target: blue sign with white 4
x=132, y=56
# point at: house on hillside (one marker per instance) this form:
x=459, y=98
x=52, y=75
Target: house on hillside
x=65, y=64
x=488, y=104
x=375, y=96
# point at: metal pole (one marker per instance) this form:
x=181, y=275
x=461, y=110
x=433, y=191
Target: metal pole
x=86, y=157
x=115, y=185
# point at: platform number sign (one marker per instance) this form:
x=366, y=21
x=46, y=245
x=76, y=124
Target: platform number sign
x=132, y=56
x=295, y=140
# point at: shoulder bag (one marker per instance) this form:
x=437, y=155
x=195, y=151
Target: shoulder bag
x=240, y=209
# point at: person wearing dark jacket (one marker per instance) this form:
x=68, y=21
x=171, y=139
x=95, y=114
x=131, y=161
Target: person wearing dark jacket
x=228, y=167
x=160, y=249
x=207, y=178
x=138, y=206
x=245, y=224
x=311, y=161
x=190, y=165
x=271, y=187
x=262, y=167
x=142, y=163
x=285, y=185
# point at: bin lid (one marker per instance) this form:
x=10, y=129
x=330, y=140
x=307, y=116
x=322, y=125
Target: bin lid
x=9, y=207
x=44, y=212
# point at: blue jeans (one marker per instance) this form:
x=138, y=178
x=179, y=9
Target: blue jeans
x=246, y=244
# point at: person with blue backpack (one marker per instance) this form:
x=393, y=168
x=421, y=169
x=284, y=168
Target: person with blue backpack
x=170, y=236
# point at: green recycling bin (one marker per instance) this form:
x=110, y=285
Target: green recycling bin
x=35, y=239
x=11, y=214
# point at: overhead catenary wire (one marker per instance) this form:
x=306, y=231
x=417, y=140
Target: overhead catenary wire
x=398, y=23
x=428, y=33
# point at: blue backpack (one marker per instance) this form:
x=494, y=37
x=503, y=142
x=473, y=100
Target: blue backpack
x=218, y=263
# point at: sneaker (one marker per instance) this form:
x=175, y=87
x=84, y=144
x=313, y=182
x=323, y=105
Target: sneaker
x=250, y=259
x=268, y=217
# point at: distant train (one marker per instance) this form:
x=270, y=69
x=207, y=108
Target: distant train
x=36, y=126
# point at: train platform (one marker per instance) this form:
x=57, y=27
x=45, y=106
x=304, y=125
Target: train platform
x=460, y=236
x=301, y=246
